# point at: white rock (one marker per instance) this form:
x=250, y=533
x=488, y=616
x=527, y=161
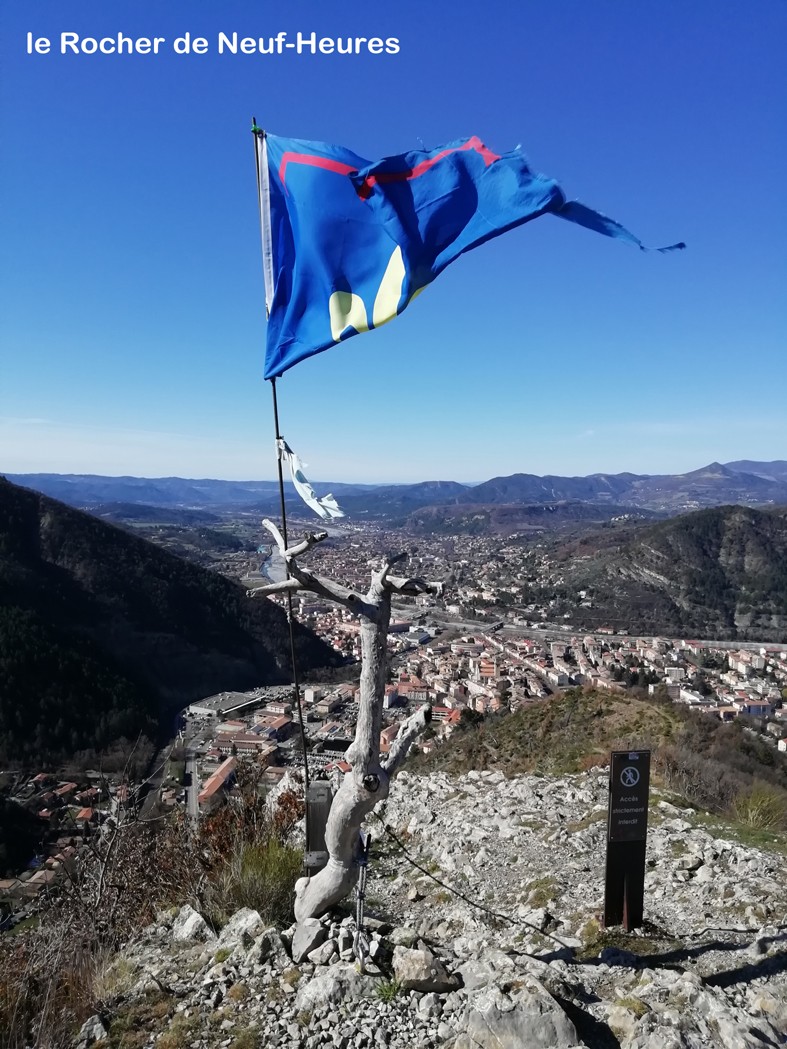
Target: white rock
x=530, y=1017
x=268, y=947
x=308, y=934
x=322, y=955
x=421, y=971
x=91, y=1031
x=342, y=982
x=190, y=925
x=241, y=929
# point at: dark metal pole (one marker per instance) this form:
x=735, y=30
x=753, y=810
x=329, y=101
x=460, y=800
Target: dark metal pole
x=290, y=615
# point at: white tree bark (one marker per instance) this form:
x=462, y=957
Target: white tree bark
x=369, y=779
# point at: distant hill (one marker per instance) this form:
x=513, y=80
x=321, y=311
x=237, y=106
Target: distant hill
x=747, y=482
x=91, y=490
x=396, y=502
x=506, y=519
x=84, y=490
x=718, y=573
x=773, y=471
x=529, y=488
x=102, y=634
x=711, y=485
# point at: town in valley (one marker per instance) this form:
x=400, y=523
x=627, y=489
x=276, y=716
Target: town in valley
x=493, y=642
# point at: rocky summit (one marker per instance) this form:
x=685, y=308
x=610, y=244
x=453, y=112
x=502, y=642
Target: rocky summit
x=483, y=903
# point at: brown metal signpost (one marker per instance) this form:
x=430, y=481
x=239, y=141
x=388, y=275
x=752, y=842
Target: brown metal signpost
x=627, y=830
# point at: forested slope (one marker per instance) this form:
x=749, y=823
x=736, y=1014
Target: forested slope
x=103, y=634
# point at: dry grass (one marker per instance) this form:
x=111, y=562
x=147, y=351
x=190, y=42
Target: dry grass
x=570, y=732
x=259, y=875
x=761, y=807
x=53, y=977
x=113, y=976
x=239, y=992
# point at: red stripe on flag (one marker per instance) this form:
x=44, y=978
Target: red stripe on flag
x=314, y=161
x=365, y=189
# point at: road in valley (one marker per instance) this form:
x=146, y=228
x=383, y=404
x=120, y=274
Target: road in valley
x=560, y=632
x=191, y=780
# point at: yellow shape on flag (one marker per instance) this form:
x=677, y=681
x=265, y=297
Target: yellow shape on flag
x=386, y=302
x=346, y=311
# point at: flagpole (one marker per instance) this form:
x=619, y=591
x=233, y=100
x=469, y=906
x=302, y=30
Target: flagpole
x=290, y=614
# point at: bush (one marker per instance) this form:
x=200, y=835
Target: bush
x=53, y=977
x=702, y=781
x=762, y=807
x=259, y=875
x=46, y=986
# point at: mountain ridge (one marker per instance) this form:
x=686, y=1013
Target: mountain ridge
x=760, y=483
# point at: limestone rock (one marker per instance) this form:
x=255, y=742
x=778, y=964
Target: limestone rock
x=342, y=982
x=527, y=1017
x=475, y=974
x=268, y=947
x=308, y=934
x=190, y=925
x=509, y=980
x=403, y=937
x=421, y=971
x=322, y=955
x=92, y=1030
x=241, y=929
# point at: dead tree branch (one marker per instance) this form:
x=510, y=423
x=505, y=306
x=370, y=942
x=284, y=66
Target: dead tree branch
x=368, y=781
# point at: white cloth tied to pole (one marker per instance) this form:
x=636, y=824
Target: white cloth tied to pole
x=326, y=506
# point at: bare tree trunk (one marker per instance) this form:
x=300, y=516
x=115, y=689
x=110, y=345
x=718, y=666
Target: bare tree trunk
x=368, y=781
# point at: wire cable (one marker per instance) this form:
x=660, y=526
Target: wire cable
x=455, y=892
x=521, y=921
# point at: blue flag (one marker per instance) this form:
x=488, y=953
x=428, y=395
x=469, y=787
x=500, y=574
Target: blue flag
x=348, y=244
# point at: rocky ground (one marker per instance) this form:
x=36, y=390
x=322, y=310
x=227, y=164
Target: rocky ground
x=708, y=969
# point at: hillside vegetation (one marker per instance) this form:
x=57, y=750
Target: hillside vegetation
x=719, y=573
x=103, y=634
x=713, y=765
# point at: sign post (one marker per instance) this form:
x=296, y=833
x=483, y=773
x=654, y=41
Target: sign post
x=318, y=802
x=627, y=830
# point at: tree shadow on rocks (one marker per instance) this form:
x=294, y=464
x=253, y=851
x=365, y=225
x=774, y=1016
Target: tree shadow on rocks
x=661, y=951
x=671, y=959
x=754, y=970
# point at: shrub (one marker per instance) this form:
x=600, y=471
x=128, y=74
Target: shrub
x=258, y=875
x=761, y=806
x=53, y=977
x=46, y=986
x=700, y=780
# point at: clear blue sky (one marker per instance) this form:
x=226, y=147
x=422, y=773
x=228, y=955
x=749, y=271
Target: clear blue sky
x=132, y=315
